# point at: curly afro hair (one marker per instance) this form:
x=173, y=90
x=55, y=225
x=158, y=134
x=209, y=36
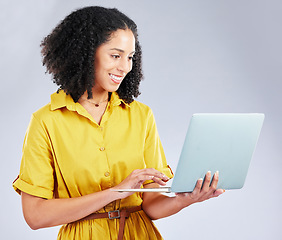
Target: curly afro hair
x=69, y=51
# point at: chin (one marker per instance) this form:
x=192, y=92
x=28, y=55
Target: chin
x=113, y=88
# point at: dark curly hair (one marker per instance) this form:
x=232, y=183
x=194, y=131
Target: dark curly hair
x=69, y=51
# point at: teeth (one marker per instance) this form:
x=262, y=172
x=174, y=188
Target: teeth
x=115, y=77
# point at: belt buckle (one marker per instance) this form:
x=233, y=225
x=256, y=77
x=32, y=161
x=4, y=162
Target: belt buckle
x=110, y=217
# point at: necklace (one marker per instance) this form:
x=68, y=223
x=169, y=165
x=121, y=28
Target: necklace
x=95, y=104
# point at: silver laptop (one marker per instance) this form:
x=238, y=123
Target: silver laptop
x=223, y=142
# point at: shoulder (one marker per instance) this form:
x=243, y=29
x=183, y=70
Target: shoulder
x=43, y=113
x=46, y=116
x=59, y=100
x=141, y=107
x=141, y=112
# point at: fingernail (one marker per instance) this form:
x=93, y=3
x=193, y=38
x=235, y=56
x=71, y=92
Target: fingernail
x=224, y=190
x=217, y=172
x=165, y=177
x=200, y=179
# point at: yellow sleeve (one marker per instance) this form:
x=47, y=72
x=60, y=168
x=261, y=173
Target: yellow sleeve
x=153, y=153
x=37, y=169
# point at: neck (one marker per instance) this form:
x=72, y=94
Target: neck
x=96, y=97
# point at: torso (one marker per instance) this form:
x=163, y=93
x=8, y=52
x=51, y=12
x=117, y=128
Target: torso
x=87, y=158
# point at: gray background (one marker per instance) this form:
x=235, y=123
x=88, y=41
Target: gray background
x=199, y=56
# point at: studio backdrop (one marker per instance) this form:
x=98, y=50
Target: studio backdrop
x=215, y=56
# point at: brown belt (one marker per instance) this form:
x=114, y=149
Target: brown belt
x=121, y=214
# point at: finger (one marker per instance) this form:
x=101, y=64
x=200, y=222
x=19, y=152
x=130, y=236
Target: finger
x=138, y=181
x=218, y=192
x=143, y=175
x=156, y=174
x=183, y=194
x=214, y=181
x=198, y=187
x=142, y=178
x=206, y=184
x=159, y=181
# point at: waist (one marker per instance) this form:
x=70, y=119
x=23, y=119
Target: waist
x=121, y=204
x=114, y=214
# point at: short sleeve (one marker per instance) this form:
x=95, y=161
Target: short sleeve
x=37, y=169
x=153, y=152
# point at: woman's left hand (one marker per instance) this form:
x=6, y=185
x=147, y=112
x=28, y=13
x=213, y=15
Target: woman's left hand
x=204, y=190
x=157, y=205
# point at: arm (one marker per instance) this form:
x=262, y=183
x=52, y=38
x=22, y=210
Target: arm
x=41, y=213
x=157, y=205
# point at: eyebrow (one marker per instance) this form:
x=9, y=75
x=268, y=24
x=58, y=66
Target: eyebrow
x=120, y=50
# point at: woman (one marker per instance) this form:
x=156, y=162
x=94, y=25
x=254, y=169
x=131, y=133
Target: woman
x=94, y=137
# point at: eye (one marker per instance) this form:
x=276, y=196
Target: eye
x=130, y=58
x=116, y=56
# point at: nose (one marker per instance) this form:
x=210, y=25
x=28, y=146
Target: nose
x=125, y=66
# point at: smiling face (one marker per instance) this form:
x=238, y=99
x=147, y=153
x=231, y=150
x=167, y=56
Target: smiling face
x=113, y=60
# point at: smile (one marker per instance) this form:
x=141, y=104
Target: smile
x=115, y=78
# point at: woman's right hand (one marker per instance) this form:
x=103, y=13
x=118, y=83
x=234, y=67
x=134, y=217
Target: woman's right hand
x=137, y=177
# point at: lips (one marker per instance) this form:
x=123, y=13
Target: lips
x=116, y=78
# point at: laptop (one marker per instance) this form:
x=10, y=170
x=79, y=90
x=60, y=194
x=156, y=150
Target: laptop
x=223, y=142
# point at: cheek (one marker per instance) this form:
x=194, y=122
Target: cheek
x=102, y=64
x=130, y=66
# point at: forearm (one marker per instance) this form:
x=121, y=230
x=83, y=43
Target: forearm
x=157, y=205
x=162, y=206
x=41, y=213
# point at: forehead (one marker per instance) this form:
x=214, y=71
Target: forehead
x=121, y=39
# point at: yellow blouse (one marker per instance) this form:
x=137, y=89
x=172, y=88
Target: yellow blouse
x=67, y=154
